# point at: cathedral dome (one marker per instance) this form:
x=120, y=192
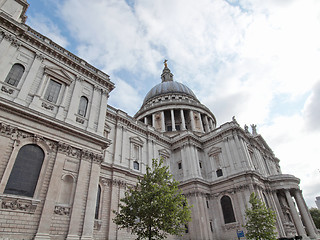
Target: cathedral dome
x=171, y=107
x=168, y=87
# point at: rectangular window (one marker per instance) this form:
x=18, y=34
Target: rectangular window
x=178, y=127
x=211, y=227
x=219, y=173
x=53, y=91
x=179, y=165
x=169, y=128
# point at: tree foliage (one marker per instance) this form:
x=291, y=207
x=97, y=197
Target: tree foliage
x=315, y=214
x=260, y=220
x=155, y=207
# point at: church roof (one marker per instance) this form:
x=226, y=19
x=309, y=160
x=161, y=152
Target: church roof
x=168, y=86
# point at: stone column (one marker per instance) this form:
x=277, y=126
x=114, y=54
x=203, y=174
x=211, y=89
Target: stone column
x=279, y=214
x=43, y=231
x=163, y=125
x=183, y=121
x=173, y=123
x=87, y=231
x=94, y=109
x=192, y=121
x=114, y=205
x=295, y=215
x=74, y=105
x=201, y=123
x=207, y=127
x=102, y=111
x=63, y=103
x=211, y=124
x=8, y=48
x=32, y=72
x=145, y=120
x=153, y=120
x=304, y=214
x=76, y=213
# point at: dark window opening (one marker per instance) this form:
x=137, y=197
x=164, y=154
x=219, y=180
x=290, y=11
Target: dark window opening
x=227, y=210
x=136, y=165
x=169, y=128
x=200, y=164
x=219, y=173
x=15, y=74
x=25, y=172
x=178, y=127
x=211, y=227
x=179, y=165
x=83, y=106
x=96, y=214
x=53, y=91
x=207, y=203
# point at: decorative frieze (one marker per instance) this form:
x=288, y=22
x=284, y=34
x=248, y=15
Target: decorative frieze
x=7, y=90
x=7, y=129
x=62, y=210
x=18, y=204
x=79, y=120
x=79, y=153
x=47, y=106
x=69, y=150
x=115, y=182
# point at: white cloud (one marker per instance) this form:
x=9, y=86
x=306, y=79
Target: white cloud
x=238, y=58
x=47, y=28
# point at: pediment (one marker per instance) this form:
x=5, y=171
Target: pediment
x=136, y=140
x=214, y=151
x=59, y=74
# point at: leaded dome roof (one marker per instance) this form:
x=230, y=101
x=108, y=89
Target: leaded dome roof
x=169, y=87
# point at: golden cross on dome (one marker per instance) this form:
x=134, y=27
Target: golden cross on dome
x=165, y=63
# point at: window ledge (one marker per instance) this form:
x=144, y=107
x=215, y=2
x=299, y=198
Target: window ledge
x=18, y=203
x=233, y=225
x=7, y=88
x=97, y=224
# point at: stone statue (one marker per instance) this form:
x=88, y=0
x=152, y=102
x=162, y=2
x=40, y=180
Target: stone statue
x=246, y=128
x=165, y=63
x=254, y=129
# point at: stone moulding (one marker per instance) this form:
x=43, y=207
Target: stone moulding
x=18, y=204
x=9, y=91
x=62, y=210
x=47, y=106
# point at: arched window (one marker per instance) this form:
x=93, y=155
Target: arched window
x=66, y=190
x=25, y=172
x=83, y=106
x=227, y=210
x=15, y=74
x=96, y=214
x=135, y=165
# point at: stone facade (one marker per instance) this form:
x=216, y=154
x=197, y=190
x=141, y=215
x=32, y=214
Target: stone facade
x=68, y=157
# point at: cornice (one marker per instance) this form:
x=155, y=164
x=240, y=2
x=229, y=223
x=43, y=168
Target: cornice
x=45, y=120
x=28, y=36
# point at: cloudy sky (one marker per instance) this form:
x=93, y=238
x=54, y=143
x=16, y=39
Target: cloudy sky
x=254, y=59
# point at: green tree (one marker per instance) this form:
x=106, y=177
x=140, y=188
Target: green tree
x=155, y=207
x=260, y=220
x=315, y=214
